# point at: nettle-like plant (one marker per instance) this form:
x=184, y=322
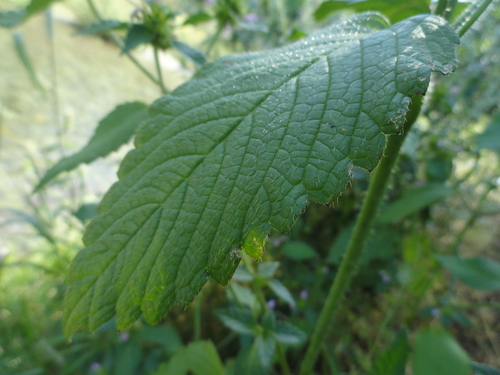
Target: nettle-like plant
x=242, y=148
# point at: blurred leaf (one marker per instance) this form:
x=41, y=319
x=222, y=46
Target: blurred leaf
x=192, y=54
x=282, y=292
x=288, y=334
x=165, y=336
x=296, y=35
x=299, y=251
x=478, y=273
x=198, y=358
x=137, y=35
x=248, y=362
x=242, y=274
x=237, y=319
x=103, y=27
x=414, y=200
x=86, y=212
x=36, y=6
x=435, y=352
x=267, y=269
x=113, y=131
x=383, y=243
x=12, y=18
x=26, y=61
x=198, y=18
x=244, y=295
x=490, y=138
x=128, y=357
x=393, y=360
x=266, y=346
x=484, y=369
x=395, y=10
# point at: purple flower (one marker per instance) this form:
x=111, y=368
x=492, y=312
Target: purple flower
x=441, y=143
x=271, y=304
x=435, y=312
x=124, y=336
x=94, y=367
x=385, y=277
x=251, y=18
x=304, y=294
x=209, y=2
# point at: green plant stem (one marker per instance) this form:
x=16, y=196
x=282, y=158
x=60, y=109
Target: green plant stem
x=214, y=39
x=119, y=43
x=464, y=24
x=285, y=369
x=158, y=71
x=453, y=249
x=441, y=7
x=364, y=224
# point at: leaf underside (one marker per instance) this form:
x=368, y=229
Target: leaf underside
x=241, y=148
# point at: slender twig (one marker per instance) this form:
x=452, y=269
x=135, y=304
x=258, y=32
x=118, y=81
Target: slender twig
x=158, y=71
x=441, y=7
x=214, y=39
x=470, y=16
x=285, y=368
x=364, y=224
x=453, y=249
x=119, y=43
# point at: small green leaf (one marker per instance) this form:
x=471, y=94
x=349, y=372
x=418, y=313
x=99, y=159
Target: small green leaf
x=103, y=27
x=113, y=131
x=490, y=138
x=282, y=292
x=266, y=346
x=190, y=53
x=86, y=212
x=198, y=18
x=436, y=352
x=242, y=148
x=242, y=274
x=137, y=35
x=267, y=269
x=288, y=334
x=484, y=369
x=296, y=34
x=243, y=296
x=12, y=18
x=248, y=362
x=198, y=358
x=479, y=273
x=299, y=251
x=414, y=200
x=26, y=61
x=237, y=319
x=393, y=360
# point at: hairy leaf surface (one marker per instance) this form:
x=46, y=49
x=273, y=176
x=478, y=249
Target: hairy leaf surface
x=241, y=148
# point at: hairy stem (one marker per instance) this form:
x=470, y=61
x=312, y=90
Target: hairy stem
x=158, y=71
x=470, y=16
x=441, y=7
x=364, y=224
x=119, y=43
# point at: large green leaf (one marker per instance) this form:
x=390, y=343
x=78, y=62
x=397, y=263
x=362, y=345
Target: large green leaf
x=241, y=148
x=112, y=132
